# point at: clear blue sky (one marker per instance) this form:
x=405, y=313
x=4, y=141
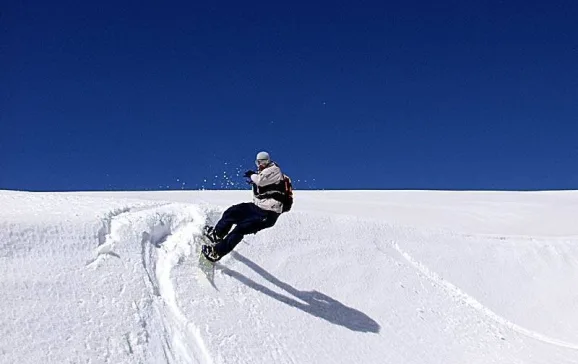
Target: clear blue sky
x=359, y=95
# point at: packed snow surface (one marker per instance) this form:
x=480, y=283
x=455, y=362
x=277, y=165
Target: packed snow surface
x=413, y=277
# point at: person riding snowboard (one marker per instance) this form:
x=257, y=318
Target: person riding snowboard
x=272, y=196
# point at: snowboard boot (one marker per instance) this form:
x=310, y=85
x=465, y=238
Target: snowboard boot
x=210, y=233
x=210, y=253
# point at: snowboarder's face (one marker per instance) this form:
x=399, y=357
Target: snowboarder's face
x=261, y=163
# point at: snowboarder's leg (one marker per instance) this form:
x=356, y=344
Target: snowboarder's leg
x=233, y=215
x=240, y=214
x=256, y=220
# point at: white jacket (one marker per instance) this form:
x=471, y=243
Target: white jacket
x=270, y=175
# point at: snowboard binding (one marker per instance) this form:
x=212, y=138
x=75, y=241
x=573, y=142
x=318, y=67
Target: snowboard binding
x=208, y=250
x=210, y=233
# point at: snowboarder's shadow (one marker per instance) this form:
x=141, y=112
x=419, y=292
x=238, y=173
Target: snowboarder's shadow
x=317, y=303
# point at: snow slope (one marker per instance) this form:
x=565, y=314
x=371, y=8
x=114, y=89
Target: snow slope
x=347, y=277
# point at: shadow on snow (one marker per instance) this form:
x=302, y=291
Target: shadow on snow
x=317, y=304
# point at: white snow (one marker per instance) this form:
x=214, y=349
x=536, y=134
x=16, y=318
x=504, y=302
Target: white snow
x=347, y=277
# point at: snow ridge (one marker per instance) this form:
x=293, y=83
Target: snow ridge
x=174, y=249
x=167, y=234
x=461, y=296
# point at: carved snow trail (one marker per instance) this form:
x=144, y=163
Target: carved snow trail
x=167, y=236
x=461, y=296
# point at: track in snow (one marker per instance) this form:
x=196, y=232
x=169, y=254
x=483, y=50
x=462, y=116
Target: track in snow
x=460, y=296
x=166, y=234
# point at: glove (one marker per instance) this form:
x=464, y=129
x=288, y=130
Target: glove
x=248, y=174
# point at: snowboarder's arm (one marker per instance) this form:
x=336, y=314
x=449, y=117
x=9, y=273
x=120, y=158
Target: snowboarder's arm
x=266, y=177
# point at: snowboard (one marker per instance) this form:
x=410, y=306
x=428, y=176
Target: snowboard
x=205, y=265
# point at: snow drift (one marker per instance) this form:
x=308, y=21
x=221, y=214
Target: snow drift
x=347, y=277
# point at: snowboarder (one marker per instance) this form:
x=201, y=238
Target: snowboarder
x=272, y=195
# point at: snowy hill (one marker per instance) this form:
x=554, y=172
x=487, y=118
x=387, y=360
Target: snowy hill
x=347, y=277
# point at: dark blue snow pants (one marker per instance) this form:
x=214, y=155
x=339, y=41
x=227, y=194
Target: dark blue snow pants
x=248, y=218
